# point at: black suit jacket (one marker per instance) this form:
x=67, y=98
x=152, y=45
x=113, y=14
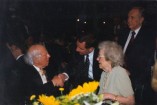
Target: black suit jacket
x=24, y=81
x=137, y=60
x=17, y=87
x=7, y=62
x=34, y=85
x=138, y=55
x=76, y=72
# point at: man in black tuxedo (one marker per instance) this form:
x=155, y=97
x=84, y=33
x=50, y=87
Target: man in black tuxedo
x=81, y=70
x=138, y=45
x=26, y=80
x=35, y=79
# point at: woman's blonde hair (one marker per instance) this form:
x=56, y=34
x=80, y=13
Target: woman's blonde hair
x=112, y=52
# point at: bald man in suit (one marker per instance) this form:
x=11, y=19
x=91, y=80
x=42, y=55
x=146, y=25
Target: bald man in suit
x=35, y=80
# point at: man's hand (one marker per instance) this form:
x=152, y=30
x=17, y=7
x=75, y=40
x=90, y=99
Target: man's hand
x=57, y=81
x=63, y=77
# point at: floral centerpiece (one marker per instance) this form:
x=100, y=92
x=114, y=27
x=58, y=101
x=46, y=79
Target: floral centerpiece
x=82, y=95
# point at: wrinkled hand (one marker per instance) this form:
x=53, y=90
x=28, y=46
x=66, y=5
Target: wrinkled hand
x=57, y=81
x=109, y=96
x=62, y=76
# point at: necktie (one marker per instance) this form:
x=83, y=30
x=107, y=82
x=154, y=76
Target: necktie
x=132, y=37
x=86, y=64
x=129, y=47
x=131, y=40
x=87, y=60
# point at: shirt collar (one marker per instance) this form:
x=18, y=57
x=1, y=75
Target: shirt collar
x=91, y=53
x=37, y=68
x=136, y=31
x=19, y=56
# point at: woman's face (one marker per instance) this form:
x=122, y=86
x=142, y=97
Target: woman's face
x=103, y=63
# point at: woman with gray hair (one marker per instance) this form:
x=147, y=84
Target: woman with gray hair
x=115, y=83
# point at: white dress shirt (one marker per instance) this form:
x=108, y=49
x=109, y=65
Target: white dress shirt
x=90, y=71
x=19, y=56
x=129, y=37
x=43, y=76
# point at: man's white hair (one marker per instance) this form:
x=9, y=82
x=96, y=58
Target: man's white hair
x=31, y=55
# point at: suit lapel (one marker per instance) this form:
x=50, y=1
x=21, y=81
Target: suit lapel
x=96, y=70
x=82, y=64
x=36, y=76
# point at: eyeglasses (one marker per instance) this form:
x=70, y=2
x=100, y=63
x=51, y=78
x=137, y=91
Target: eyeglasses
x=101, y=56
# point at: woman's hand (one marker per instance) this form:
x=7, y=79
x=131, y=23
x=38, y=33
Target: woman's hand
x=110, y=96
x=122, y=100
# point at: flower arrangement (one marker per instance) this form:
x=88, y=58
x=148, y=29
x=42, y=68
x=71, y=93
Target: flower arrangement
x=82, y=95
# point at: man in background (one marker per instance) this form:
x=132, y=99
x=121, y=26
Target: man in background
x=138, y=47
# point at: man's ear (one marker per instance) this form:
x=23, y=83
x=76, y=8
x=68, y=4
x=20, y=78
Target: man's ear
x=142, y=19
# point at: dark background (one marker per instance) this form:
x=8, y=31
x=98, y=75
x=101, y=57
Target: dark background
x=20, y=19
x=50, y=18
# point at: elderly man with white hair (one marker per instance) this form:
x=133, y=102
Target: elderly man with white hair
x=36, y=80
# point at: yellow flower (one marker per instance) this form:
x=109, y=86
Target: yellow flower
x=32, y=97
x=75, y=97
x=93, y=86
x=75, y=92
x=61, y=89
x=45, y=100
x=35, y=103
x=86, y=88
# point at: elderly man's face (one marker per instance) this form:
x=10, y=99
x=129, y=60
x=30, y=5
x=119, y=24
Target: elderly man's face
x=42, y=60
x=44, y=57
x=134, y=19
